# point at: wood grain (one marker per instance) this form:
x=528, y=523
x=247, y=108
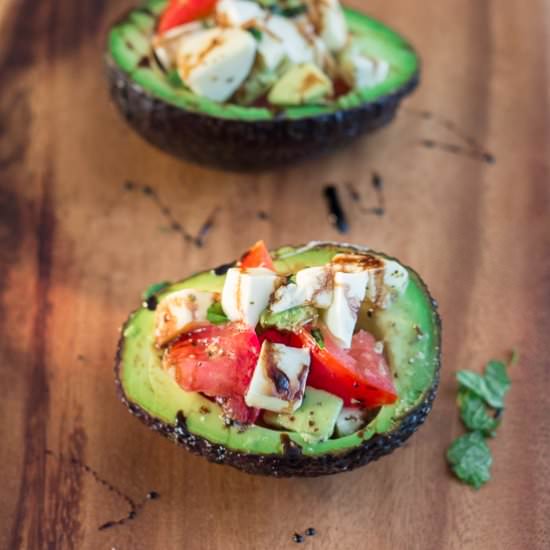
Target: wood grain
x=76, y=249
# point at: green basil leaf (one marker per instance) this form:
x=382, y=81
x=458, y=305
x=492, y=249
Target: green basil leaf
x=497, y=381
x=153, y=289
x=256, y=33
x=470, y=459
x=216, y=315
x=174, y=78
x=291, y=319
x=316, y=333
x=473, y=412
x=492, y=386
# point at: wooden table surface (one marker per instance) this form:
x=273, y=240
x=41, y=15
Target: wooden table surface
x=77, y=248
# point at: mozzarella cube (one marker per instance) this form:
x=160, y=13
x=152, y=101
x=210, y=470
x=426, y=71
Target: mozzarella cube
x=177, y=311
x=296, y=47
x=238, y=13
x=279, y=379
x=333, y=27
x=166, y=45
x=387, y=282
x=396, y=277
x=316, y=284
x=215, y=62
x=271, y=51
x=246, y=293
x=360, y=71
x=349, y=421
x=341, y=316
x=286, y=297
x=387, y=278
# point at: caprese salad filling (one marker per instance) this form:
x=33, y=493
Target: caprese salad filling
x=271, y=346
x=263, y=52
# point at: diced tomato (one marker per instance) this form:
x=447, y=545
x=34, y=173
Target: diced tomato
x=235, y=407
x=257, y=256
x=359, y=375
x=278, y=337
x=179, y=12
x=217, y=360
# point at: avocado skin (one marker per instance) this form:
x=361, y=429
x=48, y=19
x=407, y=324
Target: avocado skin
x=245, y=145
x=293, y=463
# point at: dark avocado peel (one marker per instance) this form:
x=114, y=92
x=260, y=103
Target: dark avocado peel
x=238, y=137
x=410, y=329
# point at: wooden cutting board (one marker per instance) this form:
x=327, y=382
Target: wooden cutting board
x=77, y=248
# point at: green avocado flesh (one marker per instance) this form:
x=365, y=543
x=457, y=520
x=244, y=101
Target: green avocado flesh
x=129, y=43
x=315, y=418
x=409, y=329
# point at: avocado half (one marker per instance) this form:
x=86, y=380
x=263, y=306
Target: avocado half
x=237, y=137
x=410, y=329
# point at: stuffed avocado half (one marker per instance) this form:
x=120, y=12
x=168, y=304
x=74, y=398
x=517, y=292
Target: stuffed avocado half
x=307, y=361
x=253, y=83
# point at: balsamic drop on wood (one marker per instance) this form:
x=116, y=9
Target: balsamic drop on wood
x=336, y=212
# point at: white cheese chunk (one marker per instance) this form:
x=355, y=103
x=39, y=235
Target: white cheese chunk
x=166, y=45
x=396, y=277
x=333, y=27
x=214, y=63
x=271, y=51
x=387, y=283
x=287, y=297
x=360, y=71
x=316, y=285
x=247, y=292
x=177, y=311
x=285, y=31
x=279, y=379
x=349, y=421
x=387, y=278
x=238, y=13
x=341, y=316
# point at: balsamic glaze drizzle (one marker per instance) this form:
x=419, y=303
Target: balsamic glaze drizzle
x=473, y=148
x=458, y=150
x=337, y=216
x=223, y=269
x=377, y=184
x=134, y=507
x=205, y=228
x=149, y=192
x=151, y=303
x=198, y=239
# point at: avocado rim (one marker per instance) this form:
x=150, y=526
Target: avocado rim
x=292, y=463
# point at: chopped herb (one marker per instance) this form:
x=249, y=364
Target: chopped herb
x=291, y=319
x=154, y=289
x=174, y=78
x=491, y=387
x=216, y=315
x=469, y=456
x=473, y=412
x=294, y=11
x=316, y=333
x=206, y=24
x=470, y=459
x=292, y=278
x=256, y=33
